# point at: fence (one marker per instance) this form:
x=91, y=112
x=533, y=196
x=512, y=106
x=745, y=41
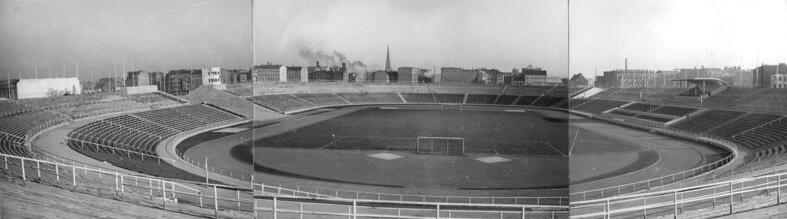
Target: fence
x=313, y=192
x=167, y=194
x=277, y=207
x=709, y=200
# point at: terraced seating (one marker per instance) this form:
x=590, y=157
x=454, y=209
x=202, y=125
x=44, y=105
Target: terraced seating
x=145, y=126
x=450, y=98
x=635, y=114
x=281, y=102
x=419, y=97
x=100, y=134
x=322, y=99
x=546, y=101
x=11, y=108
x=61, y=101
x=706, y=120
x=506, y=99
x=154, y=98
x=370, y=98
x=98, y=108
x=573, y=103
x=596, y=106
x=21, y=125
x=481, y=99
x=764, y=137
x=141, y=132
x=774, y=100
x=741, y=124
x=674, y=111
x=13, y=145
x=525, y=100
x=642, y=107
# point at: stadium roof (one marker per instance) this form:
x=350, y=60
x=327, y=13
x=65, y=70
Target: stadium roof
x=701, y=80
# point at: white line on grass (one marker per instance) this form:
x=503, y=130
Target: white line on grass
x=571, y=148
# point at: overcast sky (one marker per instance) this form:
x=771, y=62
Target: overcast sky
x=668, y=34
x=162, y=35
x=149, y=34
x=499, y=34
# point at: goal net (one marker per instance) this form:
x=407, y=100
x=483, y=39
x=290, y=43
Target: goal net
x=440, y=145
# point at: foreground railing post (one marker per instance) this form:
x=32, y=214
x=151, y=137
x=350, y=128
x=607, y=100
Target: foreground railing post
x=163, y=196
x=215, y=202
x=438, y=211
x=57, y=173
x=74, y=176
x=237, y=196
x=355, y=209
x=275, y=208
x=778, y=189
x=675, y=204
x=122, y=188
x=23, y=170
x=38, y=169
x=731, y=198
x=523, y=212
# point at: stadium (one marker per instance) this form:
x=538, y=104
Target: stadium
x=301, y=150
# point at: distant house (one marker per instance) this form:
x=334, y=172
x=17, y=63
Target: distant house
x=578, y=81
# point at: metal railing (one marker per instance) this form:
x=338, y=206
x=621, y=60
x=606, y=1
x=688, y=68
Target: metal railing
x=709, y=200
x=315, y=192
x=213, y=199
x=276, y=207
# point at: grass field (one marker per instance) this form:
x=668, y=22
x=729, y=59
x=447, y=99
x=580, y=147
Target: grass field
x=484, y=131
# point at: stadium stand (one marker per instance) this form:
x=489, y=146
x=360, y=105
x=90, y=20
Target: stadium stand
x=80, y=106
x=596, y=106
x=525, y=100
x=322, y=99
x=641, y=107
x=505, y=99
x=11, y=108
x=741, y=124
x=763, y=137
x=481, y=99
x=546, y=101
x=371, y=98
x=281, y=102
x=449, y=98
x=419, y=97
x=706, y=120
x=141, y=132
x=674, y=111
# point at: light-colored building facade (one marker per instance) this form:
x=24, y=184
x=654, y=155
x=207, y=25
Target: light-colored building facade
x=269, y=73
x=779, y=81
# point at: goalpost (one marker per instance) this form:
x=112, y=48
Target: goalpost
x=440, y=145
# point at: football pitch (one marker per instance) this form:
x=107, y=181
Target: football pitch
x=482, y=131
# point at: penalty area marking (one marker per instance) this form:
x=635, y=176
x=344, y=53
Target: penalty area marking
x=385, y=156
x=493, y=159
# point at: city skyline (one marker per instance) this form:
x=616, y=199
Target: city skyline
x=492, y=34
x=670, y=34
x=99, y=35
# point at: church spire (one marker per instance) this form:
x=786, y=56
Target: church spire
x=388, y=58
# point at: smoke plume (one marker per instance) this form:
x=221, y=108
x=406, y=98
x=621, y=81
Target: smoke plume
x=331, y=59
